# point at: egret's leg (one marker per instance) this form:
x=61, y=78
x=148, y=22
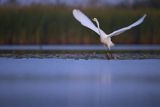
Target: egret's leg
x=113, y=56
x=108, y=55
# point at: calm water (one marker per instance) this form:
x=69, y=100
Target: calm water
x=78, y=47
x=79, y=83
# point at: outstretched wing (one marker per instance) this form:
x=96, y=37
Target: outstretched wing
x=117, y=32
x=84, y=20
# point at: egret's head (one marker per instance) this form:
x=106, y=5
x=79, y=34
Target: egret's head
x=94, y=19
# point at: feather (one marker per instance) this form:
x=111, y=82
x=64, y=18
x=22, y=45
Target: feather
x=117, y=32
x=84, y=20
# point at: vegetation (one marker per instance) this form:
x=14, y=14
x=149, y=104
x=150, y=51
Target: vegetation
x=56, y=25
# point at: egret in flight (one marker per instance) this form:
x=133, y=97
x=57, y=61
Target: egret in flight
x=104, y=38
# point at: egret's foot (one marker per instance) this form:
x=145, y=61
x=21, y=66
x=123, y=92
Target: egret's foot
x=108, y=56
x=114, y=56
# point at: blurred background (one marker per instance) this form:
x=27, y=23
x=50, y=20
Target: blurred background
x=51, y=21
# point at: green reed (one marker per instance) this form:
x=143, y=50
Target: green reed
x=56, y=25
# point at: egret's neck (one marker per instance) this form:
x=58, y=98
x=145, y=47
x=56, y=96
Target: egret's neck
x=98, y=26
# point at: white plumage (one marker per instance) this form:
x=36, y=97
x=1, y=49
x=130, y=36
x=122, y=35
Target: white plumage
x=105, y=38
x=84, y=20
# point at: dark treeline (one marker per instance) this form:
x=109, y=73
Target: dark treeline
x=55, y=25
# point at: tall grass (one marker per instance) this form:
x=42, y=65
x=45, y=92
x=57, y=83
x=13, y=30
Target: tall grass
x=56, y=25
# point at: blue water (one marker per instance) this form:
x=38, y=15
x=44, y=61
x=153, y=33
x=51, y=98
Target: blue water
x=78, y=47
x=79, y=83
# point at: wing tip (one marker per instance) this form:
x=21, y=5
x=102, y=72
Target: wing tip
x=144, y=15
x=75, y=10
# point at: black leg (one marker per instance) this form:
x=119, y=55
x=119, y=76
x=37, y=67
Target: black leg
x=109, y=55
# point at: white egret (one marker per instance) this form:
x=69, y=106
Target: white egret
x=104, y=38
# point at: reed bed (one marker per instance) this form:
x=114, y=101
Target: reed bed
x=56, y=25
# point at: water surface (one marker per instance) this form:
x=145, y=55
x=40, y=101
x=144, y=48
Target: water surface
x=79, y=47
x=79, y=83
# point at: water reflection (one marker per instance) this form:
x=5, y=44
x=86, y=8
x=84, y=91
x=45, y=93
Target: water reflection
x=79, y=83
